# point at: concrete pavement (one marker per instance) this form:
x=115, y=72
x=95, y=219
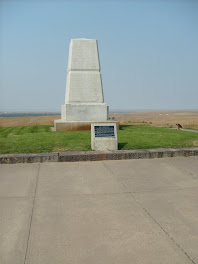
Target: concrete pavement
x=130, y=211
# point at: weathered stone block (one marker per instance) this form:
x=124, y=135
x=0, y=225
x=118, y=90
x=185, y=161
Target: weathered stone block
x=83, y=55
x=84, y=87
x=84, y=112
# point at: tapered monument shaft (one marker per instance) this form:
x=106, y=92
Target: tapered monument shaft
x=84, y=102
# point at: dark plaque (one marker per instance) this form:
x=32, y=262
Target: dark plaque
x=104, y=131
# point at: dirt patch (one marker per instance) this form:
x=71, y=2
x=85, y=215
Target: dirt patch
x=27, y=121
x=159, y=118
x=59, y=150
x=195, y=143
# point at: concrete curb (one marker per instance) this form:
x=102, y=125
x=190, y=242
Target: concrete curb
x=97, y=155
x=28, y=158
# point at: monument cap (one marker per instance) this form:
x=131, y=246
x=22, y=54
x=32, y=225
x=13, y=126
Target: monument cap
x=83, y=55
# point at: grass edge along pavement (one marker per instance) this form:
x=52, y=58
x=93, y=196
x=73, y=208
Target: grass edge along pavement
x=39, y=139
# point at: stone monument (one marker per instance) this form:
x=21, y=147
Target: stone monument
x=84, y=102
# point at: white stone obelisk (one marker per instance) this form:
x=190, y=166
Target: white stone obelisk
x=84, y=102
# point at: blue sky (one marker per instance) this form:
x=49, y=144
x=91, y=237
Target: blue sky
x=148, y=52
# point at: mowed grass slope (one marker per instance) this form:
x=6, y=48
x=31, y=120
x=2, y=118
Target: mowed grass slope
x=146, y=137
x=39, y=139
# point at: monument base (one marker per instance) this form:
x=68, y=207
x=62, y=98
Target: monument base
x=85, y=112
x=64, y=125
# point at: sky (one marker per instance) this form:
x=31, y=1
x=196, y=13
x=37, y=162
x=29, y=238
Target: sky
x=148, y=52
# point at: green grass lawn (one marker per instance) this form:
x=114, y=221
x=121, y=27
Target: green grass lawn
x=38, y=139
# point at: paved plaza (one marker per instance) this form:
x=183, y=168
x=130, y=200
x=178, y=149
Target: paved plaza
x=124, y=212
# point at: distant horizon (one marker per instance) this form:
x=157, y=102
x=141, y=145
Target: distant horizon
x=111, y=111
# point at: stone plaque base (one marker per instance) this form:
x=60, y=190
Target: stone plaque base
x=64, y=125
x=103, y=137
